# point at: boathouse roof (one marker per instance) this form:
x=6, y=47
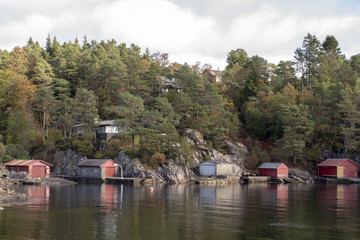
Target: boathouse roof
x=97, y=163
x=26, y=163
x=330, y=162
x=270, y=165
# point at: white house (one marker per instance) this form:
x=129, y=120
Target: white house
x=104, y=130
x=211, y=168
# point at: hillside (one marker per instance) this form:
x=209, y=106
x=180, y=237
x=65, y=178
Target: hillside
x=297, y=112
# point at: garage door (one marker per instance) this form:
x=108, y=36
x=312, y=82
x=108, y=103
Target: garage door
x=207, y=170
x=38, y=171
x=110, y=172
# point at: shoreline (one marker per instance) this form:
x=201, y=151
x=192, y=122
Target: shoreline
x=7, y=194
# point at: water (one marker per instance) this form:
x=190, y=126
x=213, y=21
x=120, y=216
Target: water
x=255, y=211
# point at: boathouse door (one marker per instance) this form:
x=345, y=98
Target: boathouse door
x=38, y=171
x=340, y=172
x=110, y=172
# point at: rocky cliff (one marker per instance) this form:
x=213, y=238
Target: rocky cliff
x=66, y=162
x=236, y=152
x=172, y=172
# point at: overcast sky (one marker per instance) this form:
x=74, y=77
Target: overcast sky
x=188, y=30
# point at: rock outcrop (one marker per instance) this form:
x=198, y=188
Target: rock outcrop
x=300, y=175
x=236, y=153
x=175, y=173
x=131, y=167
x=18, y=175
x=167, y=173
x=66, y=162
x=6, y=193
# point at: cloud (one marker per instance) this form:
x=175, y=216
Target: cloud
x=190, y=31
x=159, y=23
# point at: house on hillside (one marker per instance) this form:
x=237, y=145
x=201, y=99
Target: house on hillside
x=99, y=168
x=275, y=170
x=35, y=168
x=339, y=168
x=104, y=129
x=107, y=129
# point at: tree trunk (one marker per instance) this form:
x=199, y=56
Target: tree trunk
x=133, y=141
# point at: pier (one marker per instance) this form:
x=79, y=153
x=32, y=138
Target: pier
x=109, y=180
x=256, y=179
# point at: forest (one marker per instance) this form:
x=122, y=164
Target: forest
x=298, y=111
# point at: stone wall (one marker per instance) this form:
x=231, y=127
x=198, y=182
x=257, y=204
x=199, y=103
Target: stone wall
x=90, y=172
x=227, y=169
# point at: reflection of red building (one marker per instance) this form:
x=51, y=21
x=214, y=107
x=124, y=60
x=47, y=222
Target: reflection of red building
x=111, y=195
x=274, y=170
x=39, y=196
x=340, y=168
x=341, y=198
x=39, y=192
x=35, y=168
x=282, y=195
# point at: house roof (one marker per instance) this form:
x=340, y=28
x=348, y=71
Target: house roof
x=26, y=163
x=208, y=163
x=334, y=162
x=214, y=163
x=270, y=165
x=105, y=122
x=94, y=162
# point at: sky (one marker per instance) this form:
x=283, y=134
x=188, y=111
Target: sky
x=188, y=30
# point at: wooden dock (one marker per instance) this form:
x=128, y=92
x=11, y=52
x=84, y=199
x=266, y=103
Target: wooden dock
x=109, y=180
x=256, y=179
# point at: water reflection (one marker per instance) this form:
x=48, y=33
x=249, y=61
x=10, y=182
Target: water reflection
x=255, y=211
x=340, y=203
x=39, y=197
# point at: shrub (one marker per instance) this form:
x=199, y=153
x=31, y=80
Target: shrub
x=99, y=155
x=84, y=144
x=6, y=158
x=83, y=148
x=16, y=151
x=158, y=159
x=2, y=149
x=217, y=137
x=113, y=147
x=132, y=154
x=31, y=140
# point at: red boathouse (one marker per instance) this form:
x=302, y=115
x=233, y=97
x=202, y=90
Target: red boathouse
x=340, y=168
x=35, y=168
x=98, y=168
x=274, y=170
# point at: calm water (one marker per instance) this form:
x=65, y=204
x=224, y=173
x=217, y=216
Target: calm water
x=257, y=211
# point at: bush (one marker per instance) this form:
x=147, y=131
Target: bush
x=16, y=151
x=2, y=149
x=83, y=148
x=158, y=159
x=217, y=137
x=31, y=140
x=132, y=154
x=6, y=158
x=84, y=144
x=185, y=152
x=113, y=147
x=99, y=155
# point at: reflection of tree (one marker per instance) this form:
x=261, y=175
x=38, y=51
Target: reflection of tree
x=254, y=211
